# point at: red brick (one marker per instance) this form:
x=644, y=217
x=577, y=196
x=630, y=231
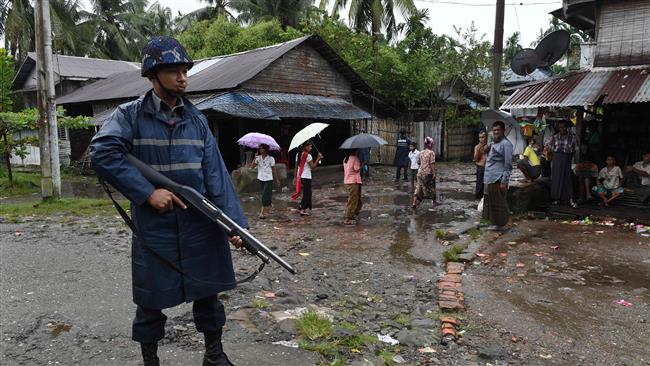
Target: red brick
x=448, y=319
x=449, y=331
x=451, y=278
x=450, y=305
x=449, y=285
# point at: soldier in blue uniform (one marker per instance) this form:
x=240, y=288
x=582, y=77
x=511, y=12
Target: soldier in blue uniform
x=178, y=255
x=401, y=160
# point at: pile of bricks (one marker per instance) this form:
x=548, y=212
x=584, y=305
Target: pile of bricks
x=450, y=297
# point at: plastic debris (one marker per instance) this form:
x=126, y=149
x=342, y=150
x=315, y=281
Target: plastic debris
x=479, y=254
x=503, y=254
x=555, y=247
x=387, y=339
x=399, y=359
x=290, y=344
x=520, y=265
x=303, y=254
x=539, y=254
x=624, y=303
x=269, y=295
x=426, y=350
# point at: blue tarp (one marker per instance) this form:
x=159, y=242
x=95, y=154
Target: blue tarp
x=275, y=106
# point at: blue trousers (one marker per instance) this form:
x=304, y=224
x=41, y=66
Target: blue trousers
x=149, y=324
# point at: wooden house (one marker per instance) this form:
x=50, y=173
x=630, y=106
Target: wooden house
x=276, y=90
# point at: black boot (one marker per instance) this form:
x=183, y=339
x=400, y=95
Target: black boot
x=214, y=355
x=150, y=354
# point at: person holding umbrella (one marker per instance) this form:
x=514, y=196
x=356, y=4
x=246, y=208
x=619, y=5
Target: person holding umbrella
x=266, y=174
x=352, y=180
x=305, y=163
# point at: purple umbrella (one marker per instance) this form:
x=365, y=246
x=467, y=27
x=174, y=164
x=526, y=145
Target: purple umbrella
x=255, y=139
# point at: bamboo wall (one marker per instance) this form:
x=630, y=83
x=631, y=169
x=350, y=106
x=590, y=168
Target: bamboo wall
x=460, y=141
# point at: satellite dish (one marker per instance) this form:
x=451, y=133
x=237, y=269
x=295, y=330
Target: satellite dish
x=525, y=62
x=552, y=47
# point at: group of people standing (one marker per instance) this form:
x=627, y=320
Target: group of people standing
x=494, y=165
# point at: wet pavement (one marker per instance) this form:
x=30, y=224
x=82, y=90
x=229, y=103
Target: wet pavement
x=66, y=291
x=552, y=293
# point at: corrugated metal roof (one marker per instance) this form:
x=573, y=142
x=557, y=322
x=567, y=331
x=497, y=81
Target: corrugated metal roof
x=229, y=72
x=556, y=90
x=587, y=92
x=613, y=85
x=74, y=67
x=643, y=95
x=274, y=106
x=623, y=86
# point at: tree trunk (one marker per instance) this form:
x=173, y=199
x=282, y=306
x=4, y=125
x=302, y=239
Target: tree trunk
x=8, y=161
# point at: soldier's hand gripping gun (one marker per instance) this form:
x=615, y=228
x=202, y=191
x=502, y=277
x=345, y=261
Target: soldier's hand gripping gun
x=212, y=212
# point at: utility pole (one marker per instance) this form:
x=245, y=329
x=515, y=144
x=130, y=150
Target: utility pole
x=47, y=132
x=497, y=53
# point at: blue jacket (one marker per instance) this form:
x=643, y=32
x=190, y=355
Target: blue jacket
x=188, y=154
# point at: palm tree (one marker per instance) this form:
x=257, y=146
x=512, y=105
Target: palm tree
x=373, y=15
x=18, y=27
x=215, y=9
x=288, y=12
x=414, y=23
x=120, y=26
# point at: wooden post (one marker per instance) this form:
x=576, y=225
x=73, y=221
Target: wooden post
x=497, y=53
x=48, y=131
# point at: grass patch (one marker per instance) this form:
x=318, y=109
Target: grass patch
x=403, y=319
x=313, y=326
x=325, y=348
x=387, y=356
x=440, y=234
x=452, y=254
x=260, y=303
x=72, y=206
x=474, y=233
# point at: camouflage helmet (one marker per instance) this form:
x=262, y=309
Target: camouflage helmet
x=162, y=50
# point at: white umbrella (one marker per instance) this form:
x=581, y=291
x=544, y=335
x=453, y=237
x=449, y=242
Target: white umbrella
x=512, y=132
x=306, y=133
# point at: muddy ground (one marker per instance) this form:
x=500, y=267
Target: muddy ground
x=66, y=295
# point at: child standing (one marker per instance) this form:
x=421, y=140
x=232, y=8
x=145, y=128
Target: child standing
x=414, y=165
x=266, y=174
x=352, y=181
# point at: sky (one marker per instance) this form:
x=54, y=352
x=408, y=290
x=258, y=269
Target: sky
x=525, y=16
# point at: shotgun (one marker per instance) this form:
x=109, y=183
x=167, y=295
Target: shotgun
x=211, y=211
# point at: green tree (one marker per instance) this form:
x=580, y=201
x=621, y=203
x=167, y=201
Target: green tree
x=373, y=16
x=121, y=28
x=288, y=12
x=18, y=27
x=513, y=45
x=217, y=37
x=215, y=9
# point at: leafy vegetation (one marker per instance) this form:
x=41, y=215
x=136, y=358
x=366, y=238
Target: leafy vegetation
x=452, y=254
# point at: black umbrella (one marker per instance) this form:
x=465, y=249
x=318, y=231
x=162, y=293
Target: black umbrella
x=361, y=141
